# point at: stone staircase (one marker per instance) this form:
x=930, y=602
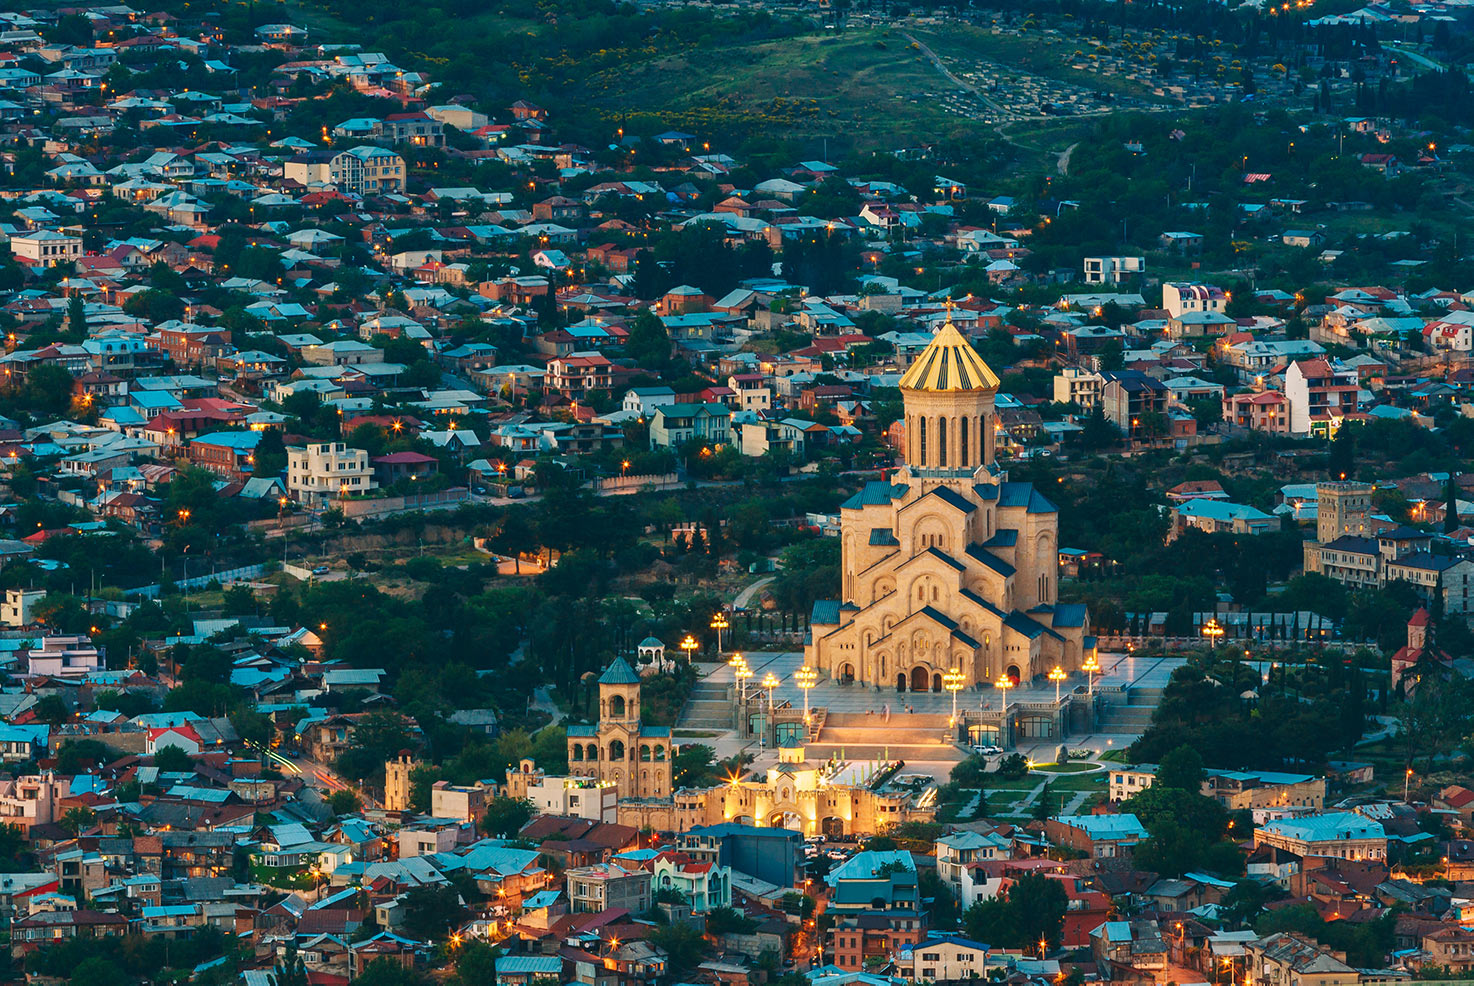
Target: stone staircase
x=1132, y=716
x=857, y=736
x=706, y=708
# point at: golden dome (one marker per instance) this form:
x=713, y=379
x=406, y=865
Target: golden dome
x=949, y=363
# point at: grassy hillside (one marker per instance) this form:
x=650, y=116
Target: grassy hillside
x=866, y=89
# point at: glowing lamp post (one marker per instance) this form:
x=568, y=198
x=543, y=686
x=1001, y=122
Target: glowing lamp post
x=1213, y=631
x=1004, y=683
x=770, y=682
x=689, y=645
x=743, y=673
x=719, y=623
x=1092, y=668
x=953, y=680
x=1057, y=675
x=806, y=678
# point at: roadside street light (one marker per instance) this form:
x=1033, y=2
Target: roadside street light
x=1092, y=668
x=806, y=677
x=1057, y=675
x=719, y=623
x=1213, y=631
x=689, y=645
x=1406, y=777
x=952, y=680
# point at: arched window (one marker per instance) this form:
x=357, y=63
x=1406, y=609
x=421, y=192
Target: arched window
x=593, y=752
x=616, y=707
x=942, y=442
x=577, y=751
x=616, y=750
x=921, y=443
x=645, y=753
x=659, y=753
x=962, y=439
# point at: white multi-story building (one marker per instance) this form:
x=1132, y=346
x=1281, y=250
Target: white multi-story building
x=19, y=608
x=46, y=247
x=464, y=804
x=1074, y=385
x=367, y=170
x=324, y=470
x=1113, y=270
x=577, y=797
x=1180, y=298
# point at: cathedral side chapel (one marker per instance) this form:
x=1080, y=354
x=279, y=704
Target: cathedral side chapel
x=948, y=565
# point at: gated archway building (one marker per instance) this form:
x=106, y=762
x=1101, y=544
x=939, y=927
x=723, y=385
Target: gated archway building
x=948, y=564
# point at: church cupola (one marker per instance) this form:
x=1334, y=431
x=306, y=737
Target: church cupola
x=949, y=395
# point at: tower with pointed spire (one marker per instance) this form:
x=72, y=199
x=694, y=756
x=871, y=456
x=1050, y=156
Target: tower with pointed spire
x=948, y=564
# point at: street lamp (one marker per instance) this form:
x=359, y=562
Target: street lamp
x=1004, y=683
x=806, y=677
x=953, y=680
x=770, y=682
x=719, y=623
x=1056, y=676
x=1406, y=777
x=1092, y=668
x=743, y=673
x=689, y=645
x=1213, y=631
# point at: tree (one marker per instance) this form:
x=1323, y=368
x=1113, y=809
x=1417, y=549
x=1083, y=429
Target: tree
x=77, y=317
x=388, y=972
x=1341, y=462
x=1182, y=770
x=1030, y=910
x=170, y=759
x=505, y=817
x=648, y=343
x=476, y=963
x=52, y=709
x=684, y=947
x=430, y=911
x=344, y=802
x=78, y=820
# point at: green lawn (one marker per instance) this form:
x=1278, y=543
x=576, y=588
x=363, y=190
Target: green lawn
x=1068, y=767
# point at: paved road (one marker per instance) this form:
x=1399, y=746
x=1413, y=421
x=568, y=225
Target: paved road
x=745, y=596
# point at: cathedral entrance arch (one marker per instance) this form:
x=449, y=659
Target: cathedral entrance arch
x=741, y=819
x=847, y=674
x=920, y=679
x=901, y=682
x=831, y=825
x=1013, y=673
x=936, y=682
x=786, y=820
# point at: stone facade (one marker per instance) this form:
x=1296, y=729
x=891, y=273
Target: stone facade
x=949, y=564
x=808, y=796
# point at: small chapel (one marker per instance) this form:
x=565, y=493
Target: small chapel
x=948, y=564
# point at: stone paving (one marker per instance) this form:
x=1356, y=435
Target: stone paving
x=1119, y=670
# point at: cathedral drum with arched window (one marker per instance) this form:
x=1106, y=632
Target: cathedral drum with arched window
x=948, y=564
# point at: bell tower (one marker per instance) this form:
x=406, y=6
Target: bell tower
x=619, y=695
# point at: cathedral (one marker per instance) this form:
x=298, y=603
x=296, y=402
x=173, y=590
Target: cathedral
x=948, y=564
